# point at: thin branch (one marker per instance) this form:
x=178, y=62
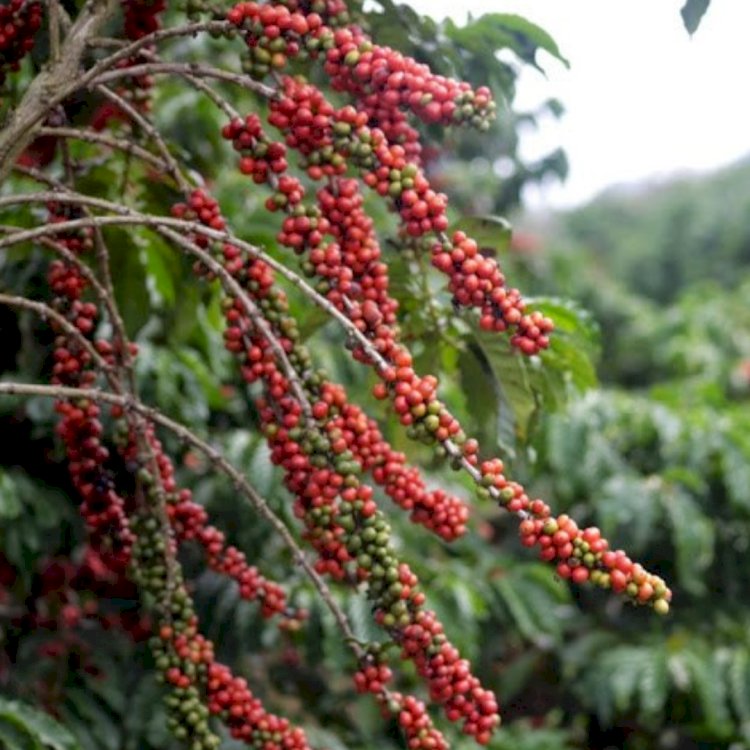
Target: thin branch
x=161, y=225
x=121, y=144
x=118, y=325
x=129, y=50
x=216, y=98
x=187, y=69
x=232, y=287
x=149, y=220
x=45, y=312
x=172, y=166
x=191, y=77
x=53, y=19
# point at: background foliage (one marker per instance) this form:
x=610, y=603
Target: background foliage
x=636, y=419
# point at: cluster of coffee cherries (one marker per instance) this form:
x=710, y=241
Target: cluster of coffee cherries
x=200, y=685
x=80, y=426
x=449, y=677
x=343, y=523
x=189, y=522
x=230, y=698
x=274, y=33
x=416, y=724
x=327, y=138
x=179, y=651
x=184, y=657
x=581, y=555
x=444, y=514
x=476, y=281
x=264, y=161
x=352, y=274
x=351, y=531
x=358, y=66
x=362, y=68
x=399, y=608
x=303, y=115
x=351, y=266
x=19, y=22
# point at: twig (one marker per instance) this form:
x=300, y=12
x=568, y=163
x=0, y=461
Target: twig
x=92, y=136
x=187, y=69
x=52, y=85
x=172, y=166
x=129, y=50
x=45, y=312
x=53, y=19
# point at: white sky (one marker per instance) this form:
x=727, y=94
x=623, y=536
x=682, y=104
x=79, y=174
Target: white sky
x=642, y=98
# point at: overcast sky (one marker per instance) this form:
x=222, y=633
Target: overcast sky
x=643, y=99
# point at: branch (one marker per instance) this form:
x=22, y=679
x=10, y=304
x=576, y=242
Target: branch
x=452, y=450
x=187, y=69
x=128, y=50
x=52, y=85
x=45, y=312
x=121, y=144
x=172, y=166
x=53, y=11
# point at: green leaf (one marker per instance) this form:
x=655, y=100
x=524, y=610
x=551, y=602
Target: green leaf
x=528, y=37
x=692, y=14
x=735, y=461
x=484, y=399
x=519, y=394
x=739, y=682
x=160, y=264
x=517, y=608
x=526, y=384
x=653, y=684
x=102, y=727
x=629, y=504
x=574, y=344
x=693, y=535
x=13, y=736
x=129, y=277
x=708, y=686
x=539, y=604
x=40, y=730
x=10, y=505
x=490, y=232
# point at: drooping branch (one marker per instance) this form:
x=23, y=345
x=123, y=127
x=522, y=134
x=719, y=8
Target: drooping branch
x=150, y=130
x=45, y=312
x=195, y=70
x=52, y=85
x=103, y=139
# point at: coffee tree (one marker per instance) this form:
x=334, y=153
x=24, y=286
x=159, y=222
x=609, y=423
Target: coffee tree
x=131, y=220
